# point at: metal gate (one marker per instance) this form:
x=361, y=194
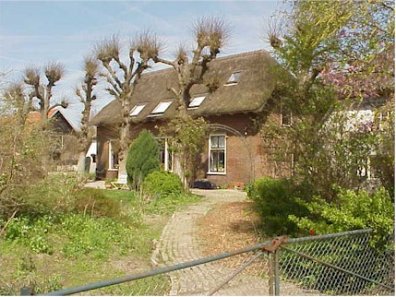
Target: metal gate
x=333, y=264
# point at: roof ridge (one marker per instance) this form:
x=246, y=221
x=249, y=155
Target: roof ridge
x=232, y=56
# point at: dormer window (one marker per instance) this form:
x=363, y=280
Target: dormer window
x=161, y=107
x=196, y=102
x=234, y=78
x=136, y=110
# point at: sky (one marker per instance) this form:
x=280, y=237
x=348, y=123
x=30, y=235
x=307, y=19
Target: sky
x=34, y=33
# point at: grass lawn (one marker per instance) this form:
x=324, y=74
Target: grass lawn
x=52, y=252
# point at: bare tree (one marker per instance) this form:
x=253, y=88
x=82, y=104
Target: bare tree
x=43, y=91
x=85, y=93
x=210, y=35
x=122, y=76
x=21, y=102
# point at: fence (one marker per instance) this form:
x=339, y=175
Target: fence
x=333, y=264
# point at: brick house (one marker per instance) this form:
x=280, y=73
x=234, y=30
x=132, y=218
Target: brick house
x=241, y=100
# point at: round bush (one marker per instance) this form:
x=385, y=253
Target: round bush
x=162, y=183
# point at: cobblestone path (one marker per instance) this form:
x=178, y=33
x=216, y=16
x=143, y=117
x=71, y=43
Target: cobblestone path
x=179, y=243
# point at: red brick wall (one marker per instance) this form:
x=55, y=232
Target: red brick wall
x=247, y=157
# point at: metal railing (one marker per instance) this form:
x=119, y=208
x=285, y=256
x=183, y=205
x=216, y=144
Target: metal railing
x=334, y=264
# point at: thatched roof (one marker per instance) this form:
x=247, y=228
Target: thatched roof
x=255, y=87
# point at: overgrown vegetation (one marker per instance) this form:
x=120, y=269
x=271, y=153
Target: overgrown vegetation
x=275, y=200
x=84, y=243
x=338, y=55
x=143, y=158
x=289, y=208
x=352, y=210
x=186, y=137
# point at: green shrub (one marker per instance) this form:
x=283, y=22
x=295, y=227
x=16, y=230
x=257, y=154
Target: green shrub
x=50, y=196
x=161, y=184
x=143, y=158
x=351, y=210
x=94, y=202
x=31, y=233
x=274, y=201
x=89, y=235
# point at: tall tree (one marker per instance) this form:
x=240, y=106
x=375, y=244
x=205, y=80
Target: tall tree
x=332, y=48
x=210, y=35
x=122, y=76
x=86, y=94
x=21, y=102
x=42, y=91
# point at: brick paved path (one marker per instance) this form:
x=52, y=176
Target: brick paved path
x=178, y=244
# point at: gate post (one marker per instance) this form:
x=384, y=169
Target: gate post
x=276, y=272
x=271, y=274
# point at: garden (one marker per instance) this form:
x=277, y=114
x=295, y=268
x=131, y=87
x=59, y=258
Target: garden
x=55, y=233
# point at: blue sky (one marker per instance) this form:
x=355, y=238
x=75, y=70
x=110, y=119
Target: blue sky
x=33, y=33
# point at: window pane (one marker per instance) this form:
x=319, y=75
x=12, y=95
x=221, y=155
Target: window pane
x=197, y=101
x=234, y=78
x=161, y=107
x=217, y=161
x=221, y=141
x=214, y=141
x=136, y=110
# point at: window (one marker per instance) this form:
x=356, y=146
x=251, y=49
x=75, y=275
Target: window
x=136, y=110
x=286, y=118
x=234, y=78
x=113, y=155
x=161, y=107
x=196, y=102
x=383, y=119
x=217, y=154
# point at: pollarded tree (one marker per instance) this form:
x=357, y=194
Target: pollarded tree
x=42, y=91
x=86, y=94
x=122, y=77
x=210, y=35
x=15, y=95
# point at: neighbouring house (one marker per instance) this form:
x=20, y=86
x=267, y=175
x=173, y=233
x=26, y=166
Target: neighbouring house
x=366, y=115
x=65, y=125
x=238, y=97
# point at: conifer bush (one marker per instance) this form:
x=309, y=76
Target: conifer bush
x=143, y=158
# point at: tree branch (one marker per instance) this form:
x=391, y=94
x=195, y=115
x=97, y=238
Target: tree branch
x=112, y=73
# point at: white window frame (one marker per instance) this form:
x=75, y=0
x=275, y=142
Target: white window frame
x=111, y=165
x=196, y=102
x=167, y=165
x=233, y=83
x=157, y=111
x=225, y=154
x=136, y=110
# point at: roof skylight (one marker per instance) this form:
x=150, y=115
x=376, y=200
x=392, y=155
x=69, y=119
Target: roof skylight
x=196, y=102
x=234, y=78
x=161, y=107
x=136, y=110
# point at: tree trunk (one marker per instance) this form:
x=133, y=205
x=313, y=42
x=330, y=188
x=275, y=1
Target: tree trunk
x=178, y=169
x=122, y=174
x=81, y=163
